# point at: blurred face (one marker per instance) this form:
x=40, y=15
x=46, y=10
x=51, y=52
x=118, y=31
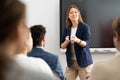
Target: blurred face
x=73, y=14
x=116, y=40
x=24, y=38
x=29, y=43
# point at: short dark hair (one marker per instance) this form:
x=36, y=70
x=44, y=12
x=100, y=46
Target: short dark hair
x=38, y=33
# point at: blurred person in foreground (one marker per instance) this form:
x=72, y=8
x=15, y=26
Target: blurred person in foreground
x=12, y=33
x=109, y=69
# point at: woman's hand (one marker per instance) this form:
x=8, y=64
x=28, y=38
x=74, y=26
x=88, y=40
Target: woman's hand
x=78, y=41
x=75, y=39
x=65, y=43
x=67, y=39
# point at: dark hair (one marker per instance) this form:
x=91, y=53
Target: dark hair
x=11, y=11
x=116, y=25
x=38, y=33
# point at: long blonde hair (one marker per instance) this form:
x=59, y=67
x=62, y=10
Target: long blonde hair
x=68, y=22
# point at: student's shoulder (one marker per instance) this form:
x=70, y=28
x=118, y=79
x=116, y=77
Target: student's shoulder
x=36, y=60
x=36, y=66
x=101, y=69
x=52, y=55
x=97, y=71
x=102, y=66
x=40, y=65
x=31, y=61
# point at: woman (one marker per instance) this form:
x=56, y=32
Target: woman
x=11, y=15
x=76, y=39
x=14, y=36
x=109, y=69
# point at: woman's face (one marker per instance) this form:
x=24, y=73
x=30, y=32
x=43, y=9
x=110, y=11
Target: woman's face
x=73, y=14
x=116, y=40
x=25, y=42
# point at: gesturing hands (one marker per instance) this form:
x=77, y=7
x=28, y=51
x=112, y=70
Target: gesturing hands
x=73, y=39
x=67, y=39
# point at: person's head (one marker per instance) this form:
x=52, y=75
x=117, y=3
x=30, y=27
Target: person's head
x=12, y=21
x=12, y=24
x=25, y=41
x=73, y=14
x=116, y=28
x=38, y=34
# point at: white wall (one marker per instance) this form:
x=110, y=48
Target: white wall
x=45, y=12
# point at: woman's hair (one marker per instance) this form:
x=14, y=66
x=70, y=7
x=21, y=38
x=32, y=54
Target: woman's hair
x=68, y=22
x=38, y=32
x=116, y=25
x=11, y=12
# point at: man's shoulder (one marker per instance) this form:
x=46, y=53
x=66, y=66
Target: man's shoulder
x=51, y=55
x=42, y=52
x=29, y=63
x=104, y=68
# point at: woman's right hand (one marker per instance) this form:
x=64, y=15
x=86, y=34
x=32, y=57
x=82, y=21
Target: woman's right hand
x=65, y=43
x=67, y=39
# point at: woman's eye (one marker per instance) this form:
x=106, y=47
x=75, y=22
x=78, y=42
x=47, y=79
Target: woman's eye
x=71, y=12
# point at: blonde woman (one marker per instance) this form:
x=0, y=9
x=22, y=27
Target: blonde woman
x=75, y=39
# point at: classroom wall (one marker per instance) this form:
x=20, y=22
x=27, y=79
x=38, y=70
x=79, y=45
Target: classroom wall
x=45, y=12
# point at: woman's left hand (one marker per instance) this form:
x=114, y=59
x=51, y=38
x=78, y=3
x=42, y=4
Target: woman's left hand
x=75, y=39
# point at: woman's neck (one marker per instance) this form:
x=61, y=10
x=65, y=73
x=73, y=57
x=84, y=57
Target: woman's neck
x=8, y=48
x=74, y=24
